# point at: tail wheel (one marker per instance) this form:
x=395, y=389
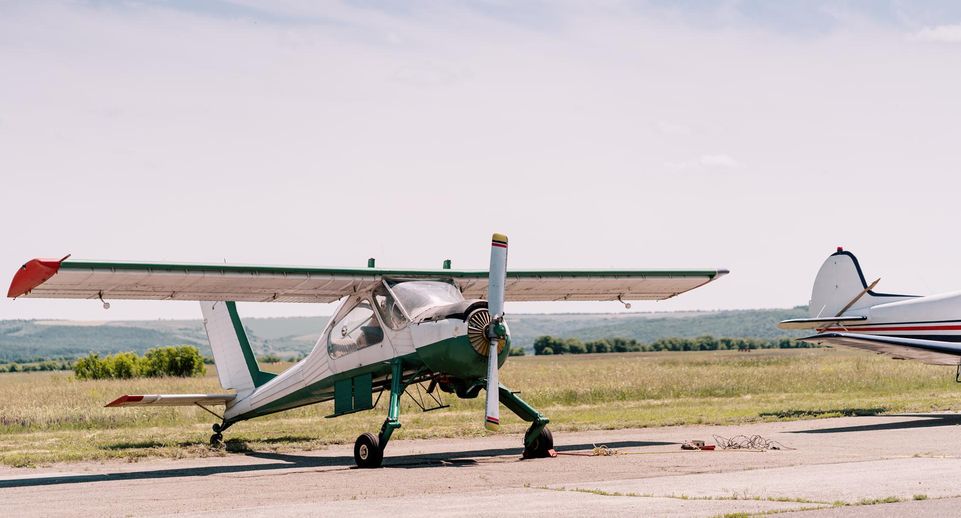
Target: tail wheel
x=541, y=446
x=217, y=440
x=367, y=451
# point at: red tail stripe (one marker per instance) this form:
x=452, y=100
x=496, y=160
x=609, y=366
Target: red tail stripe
x=854, y=329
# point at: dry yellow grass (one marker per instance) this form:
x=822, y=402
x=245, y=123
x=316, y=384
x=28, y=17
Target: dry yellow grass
x=49, y=417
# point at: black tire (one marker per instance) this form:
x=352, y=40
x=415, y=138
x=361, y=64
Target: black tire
x=216, y=428
x=217, y=440
x=541, y=446
x=367, y=451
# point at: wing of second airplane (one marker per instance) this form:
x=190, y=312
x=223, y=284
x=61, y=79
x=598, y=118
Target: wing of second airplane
x=817, y=323
x=934, y=352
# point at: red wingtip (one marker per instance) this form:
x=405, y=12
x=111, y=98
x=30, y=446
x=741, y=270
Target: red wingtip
x=32, y=274
x=120, y=401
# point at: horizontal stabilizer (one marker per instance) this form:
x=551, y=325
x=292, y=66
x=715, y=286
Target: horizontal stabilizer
x=816, y=323
x=934, y=352
x=172, y=400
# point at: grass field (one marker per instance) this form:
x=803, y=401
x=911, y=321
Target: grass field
x=49, y=416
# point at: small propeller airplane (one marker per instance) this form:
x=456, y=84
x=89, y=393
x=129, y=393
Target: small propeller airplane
x=394, y=329
x=845, y=310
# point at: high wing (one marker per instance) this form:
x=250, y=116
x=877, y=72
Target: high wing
x=817, y=323
x=934, y=352
x=79, y=279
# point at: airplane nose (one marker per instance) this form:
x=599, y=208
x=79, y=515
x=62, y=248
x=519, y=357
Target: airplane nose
x=478, y=324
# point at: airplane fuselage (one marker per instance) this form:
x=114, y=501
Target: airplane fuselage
x=425, y=348
x=934, y=317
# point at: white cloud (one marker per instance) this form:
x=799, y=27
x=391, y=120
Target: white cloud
x=723, y=161
x=674, y=129
x=706, y=162
x=939, y=34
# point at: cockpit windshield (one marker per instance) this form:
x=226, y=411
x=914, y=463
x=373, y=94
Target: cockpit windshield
x=417, y=296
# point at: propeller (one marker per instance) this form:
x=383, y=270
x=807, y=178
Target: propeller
x=496, y=330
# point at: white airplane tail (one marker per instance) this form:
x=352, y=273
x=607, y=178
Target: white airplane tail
x=840, y=287
x=236, y=364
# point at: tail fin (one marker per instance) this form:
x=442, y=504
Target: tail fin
x=236, y=364
x=840, y=282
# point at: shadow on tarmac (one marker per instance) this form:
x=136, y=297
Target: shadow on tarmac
x=286, y=461
x=922, y=421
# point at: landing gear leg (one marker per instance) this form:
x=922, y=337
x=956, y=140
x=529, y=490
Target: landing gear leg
x=538, y=441
x=369, y=448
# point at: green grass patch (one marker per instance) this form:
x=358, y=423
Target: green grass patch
x=51, y=416
x=876, y=501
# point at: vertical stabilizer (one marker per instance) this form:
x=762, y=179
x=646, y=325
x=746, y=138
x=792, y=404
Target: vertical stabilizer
x=236, y=364
x=840, y=282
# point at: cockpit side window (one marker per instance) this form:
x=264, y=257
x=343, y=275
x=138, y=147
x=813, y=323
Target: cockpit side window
x=358, y=329
x=390, y=311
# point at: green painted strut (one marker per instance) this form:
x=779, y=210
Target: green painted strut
x=515, y=404
x=393, y=410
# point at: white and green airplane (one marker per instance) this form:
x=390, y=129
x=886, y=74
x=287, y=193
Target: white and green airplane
x=393, y=329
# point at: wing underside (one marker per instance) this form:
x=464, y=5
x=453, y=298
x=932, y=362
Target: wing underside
x=172, y=400
x=73, y=279
x=817, y=323
x=934, y=352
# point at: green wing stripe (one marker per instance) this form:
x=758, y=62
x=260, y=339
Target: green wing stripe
x=381, y=272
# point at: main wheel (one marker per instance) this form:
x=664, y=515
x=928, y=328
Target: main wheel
x=367, y=451
x=541, y=446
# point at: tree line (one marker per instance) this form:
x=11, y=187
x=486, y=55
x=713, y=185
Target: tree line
x=38, y=366
x=554, y=345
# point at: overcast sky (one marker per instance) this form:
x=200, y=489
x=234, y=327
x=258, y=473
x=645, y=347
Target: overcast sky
x=755, y=136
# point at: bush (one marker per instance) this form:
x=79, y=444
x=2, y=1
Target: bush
x=91, y=367
x=183, y=361
x=123, y=365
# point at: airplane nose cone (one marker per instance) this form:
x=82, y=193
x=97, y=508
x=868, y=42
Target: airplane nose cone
x=465, y=356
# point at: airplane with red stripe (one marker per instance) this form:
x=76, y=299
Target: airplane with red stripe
x=845, y=310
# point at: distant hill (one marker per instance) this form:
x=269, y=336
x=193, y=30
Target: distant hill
x=27, y=340
x=22, y=340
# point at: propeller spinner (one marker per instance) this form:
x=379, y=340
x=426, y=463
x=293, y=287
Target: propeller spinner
x=496, y=331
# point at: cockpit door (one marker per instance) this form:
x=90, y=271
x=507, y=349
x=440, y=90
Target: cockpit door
x=358, y=337
x=394, y=318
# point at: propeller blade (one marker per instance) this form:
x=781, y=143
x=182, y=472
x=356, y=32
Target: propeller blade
x=496, y=331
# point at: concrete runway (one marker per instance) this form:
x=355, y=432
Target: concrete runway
x=852, y=460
